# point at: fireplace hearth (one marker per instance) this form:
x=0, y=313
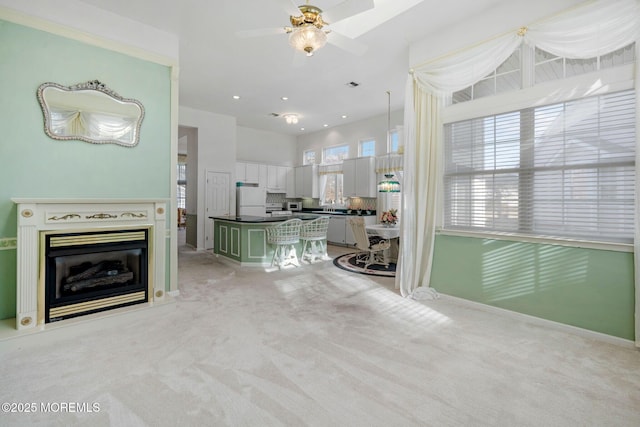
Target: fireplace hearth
x=96, y=271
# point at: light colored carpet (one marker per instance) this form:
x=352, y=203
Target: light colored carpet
x=316, y=346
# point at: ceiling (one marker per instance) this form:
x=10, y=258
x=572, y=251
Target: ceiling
x=216, y=64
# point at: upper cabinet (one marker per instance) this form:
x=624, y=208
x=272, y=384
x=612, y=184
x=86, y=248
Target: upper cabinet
x=306, y=181
x=251, y=173
x=359, y=177
x=277, y=178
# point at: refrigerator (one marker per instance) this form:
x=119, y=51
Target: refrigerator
x=251, y=201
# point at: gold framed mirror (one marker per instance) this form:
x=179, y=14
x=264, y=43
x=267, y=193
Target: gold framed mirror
x=90, y=112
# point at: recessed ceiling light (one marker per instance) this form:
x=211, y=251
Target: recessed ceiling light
x=325, y=125
x=236, y=96
x=284, y=98
x=344, y=116
x=301, y=128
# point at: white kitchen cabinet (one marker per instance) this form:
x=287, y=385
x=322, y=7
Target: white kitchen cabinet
x=291, y=183
x=306, y=181
x=339, y=231
x=241, y=172
x=336, y=230
x=251, y=173
x=277, y=178
x=359, y=177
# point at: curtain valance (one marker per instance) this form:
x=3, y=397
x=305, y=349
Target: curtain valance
x=584, y=32
x=389, y=163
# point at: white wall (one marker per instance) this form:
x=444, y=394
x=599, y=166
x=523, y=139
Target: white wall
x=216, y=152
x=351, y=134
x=91, y=20
x=260, y=146
x=507, y=16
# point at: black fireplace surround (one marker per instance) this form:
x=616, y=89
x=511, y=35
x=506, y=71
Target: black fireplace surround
x=90, y=272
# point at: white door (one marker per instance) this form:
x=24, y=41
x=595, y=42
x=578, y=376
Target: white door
x=217, y=195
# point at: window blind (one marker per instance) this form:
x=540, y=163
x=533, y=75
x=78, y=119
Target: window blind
x=561, y=170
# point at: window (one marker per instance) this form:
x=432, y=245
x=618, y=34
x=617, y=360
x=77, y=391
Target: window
x=367, y=148
x=332, y=155
x=549, y=67
x=394, y=142
x=544, y=67
x=564, y=170
x=507, y=76
x=331, y=176
x=309, y=157
x=182, y=185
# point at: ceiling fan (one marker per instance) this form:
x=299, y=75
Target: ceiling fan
x=309, y=29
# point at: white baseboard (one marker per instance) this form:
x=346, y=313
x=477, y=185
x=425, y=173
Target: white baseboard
x=544, y=322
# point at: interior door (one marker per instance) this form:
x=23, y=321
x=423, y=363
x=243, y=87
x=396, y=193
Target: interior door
x=218, y=202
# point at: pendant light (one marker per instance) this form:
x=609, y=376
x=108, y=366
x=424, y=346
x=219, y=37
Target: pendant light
x=389, y=184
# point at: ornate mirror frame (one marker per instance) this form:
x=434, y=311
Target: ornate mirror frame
x=90, y=112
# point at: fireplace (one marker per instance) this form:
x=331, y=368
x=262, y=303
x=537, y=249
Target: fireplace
x=88, y=272
x=77, y=257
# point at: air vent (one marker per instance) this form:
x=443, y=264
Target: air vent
x=353, y=84
x=274, y=114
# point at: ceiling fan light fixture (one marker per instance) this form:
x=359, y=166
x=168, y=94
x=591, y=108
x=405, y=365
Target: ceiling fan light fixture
x=307, y=38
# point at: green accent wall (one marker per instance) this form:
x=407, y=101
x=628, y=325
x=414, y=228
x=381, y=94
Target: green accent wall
x=588, y=288
x=34, y=166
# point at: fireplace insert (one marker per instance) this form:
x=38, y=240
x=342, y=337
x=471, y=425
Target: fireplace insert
x=95, y=271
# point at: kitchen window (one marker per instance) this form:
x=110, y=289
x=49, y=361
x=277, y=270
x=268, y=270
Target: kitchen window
x=309, y=157
x=394, y=142
x=367, y=147
x=331, y=188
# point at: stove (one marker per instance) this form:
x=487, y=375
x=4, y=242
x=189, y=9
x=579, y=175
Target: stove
x=281, y=213
x=273, y=207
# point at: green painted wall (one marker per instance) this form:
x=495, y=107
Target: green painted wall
x=588, y=288
x=33, y=165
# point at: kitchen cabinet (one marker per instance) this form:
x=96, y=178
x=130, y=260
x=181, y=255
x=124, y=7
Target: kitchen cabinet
x=359, y=177
x=339, y=231
x=306, y=181
x=291, y=183
x=251, y=173
x=277, y=178
x=336, y=230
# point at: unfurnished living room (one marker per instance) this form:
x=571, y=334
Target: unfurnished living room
x=322, y=213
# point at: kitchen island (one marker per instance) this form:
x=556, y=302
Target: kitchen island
x=243, y=239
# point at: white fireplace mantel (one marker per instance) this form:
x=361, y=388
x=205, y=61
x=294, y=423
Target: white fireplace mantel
x=43, y=214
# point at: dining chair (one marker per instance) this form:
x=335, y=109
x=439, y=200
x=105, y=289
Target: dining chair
x=371, y=250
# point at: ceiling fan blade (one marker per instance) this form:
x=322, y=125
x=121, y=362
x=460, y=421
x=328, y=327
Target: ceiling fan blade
x=346, y=9
x=345, y=43
x=259, y=32
x=289, y=6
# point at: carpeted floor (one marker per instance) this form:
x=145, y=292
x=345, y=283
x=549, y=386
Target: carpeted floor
x=315, y=346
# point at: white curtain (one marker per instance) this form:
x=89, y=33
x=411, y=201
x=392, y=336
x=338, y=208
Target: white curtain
x=323, y=171
x=592, y=29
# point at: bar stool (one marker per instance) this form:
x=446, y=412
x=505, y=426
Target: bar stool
x=314, y=235
x=285, y=236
